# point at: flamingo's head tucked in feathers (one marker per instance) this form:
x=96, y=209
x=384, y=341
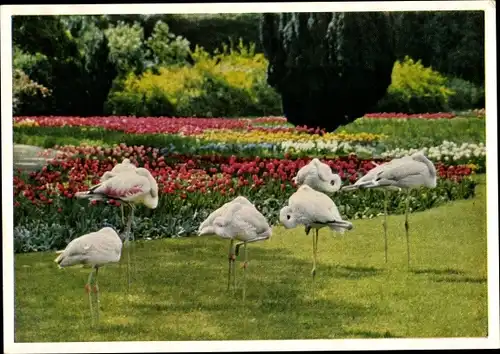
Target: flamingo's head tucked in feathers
x=153, y=184
x=287, y=218
x=206, y=231
x=121, y=232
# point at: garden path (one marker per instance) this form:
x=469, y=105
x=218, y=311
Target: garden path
x=27, y=157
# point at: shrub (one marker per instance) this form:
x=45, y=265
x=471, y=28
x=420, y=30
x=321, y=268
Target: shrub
x=126, y=47
x=230, y=27
x=167, y=48
x=30, y=77
x=415, y=89
x=467, y=95
x=24, y=89
x=228, y=83
x=218, y=99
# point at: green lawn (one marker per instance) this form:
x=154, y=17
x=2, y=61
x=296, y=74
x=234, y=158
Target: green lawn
x=180, y=290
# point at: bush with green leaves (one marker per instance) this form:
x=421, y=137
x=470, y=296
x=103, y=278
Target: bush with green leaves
x=28, y=93
x=415, y=89
x=467, y=95
x=71, y=61
x=166, y=47
x=229, y=83
x=24, y=90
x=126, y=46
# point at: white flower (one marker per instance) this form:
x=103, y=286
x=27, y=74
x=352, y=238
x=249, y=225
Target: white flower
x=446, y=151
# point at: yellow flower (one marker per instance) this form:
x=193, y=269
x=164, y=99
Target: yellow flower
x=256, y=136
x=26, y=123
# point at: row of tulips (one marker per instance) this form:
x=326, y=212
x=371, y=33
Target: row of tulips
x=448, y=153
x=265, y=137
x=195, y=126
x=190, y=187
x=242, y=130
x=166, y=125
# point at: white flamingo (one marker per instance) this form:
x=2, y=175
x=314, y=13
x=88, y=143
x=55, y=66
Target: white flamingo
x=95, y=249
x=124, y=166
x=314, y=210
x=368, y=177
x=207, y=223
x=132, y=188
x=406, y=173
x=318, y=176
x=237, y=220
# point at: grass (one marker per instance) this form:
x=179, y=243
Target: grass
x=179, y=292
x=48, y=137
x=415, y=133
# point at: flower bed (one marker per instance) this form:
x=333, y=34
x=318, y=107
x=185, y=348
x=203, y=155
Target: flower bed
x=449, y=153
x=201, y=163
x=190, y=187
x=164, y=125
x=270, y=136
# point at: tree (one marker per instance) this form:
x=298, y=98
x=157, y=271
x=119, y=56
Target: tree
x=330, y=68
x=69, y=56
x=166, y=47
x=97, y=70
x=452, y=42
x=126, y=47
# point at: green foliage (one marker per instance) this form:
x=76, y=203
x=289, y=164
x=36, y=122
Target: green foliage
x=218, y=99
x=25, y=90
x=167, y=48
x=466, y=95
x=228, y=83
x=29, y=94
x=29, y=62
x=43, y=34
x=98, y=70
x=322, y=63
x=126, y=47
x=452, y=42
x=212, y=31
x=73, y=49
x=39, y=236
x=415, y=89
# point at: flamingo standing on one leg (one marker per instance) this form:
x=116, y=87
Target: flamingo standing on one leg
x=406, y=173
x=237, y=220
x=314, y=210
x=96, y=249
x=206, y=228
